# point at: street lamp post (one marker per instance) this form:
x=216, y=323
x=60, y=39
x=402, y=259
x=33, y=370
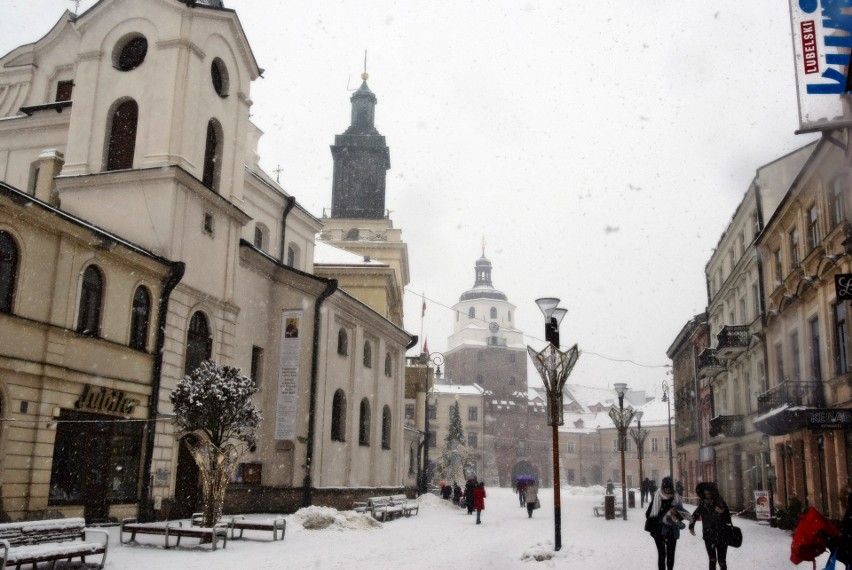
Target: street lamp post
x=436, y=359
x=639, y=436
x=668, y=402
x=554, y=366
x=622, y=419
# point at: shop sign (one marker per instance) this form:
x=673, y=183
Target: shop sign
x=843, y=286
x=821, y=49
x=830, y=419
x=103, y=400
x=761, y=505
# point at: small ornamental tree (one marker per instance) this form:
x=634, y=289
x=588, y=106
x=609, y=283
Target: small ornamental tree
x=456, y=456
x=215, y=403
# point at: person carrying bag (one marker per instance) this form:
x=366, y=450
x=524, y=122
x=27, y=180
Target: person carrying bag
x=716, y=526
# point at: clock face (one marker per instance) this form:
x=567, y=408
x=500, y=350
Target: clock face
x=494, y=327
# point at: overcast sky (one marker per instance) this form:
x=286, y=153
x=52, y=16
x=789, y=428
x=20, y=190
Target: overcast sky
x=599, y=147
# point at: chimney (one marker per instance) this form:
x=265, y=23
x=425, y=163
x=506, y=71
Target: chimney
x=50, y=164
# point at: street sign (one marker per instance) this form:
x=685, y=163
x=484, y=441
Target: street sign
x=843, y=286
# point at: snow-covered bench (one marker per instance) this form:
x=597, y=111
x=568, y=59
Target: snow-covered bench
x=240, y=523
x=409, y=507
x=600, y=509
x=174, y=529
x=33, y=542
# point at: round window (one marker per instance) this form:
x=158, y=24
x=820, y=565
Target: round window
x=130, y=52
x=219, y=77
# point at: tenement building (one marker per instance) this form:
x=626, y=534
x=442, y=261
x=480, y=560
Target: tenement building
x=139, y=237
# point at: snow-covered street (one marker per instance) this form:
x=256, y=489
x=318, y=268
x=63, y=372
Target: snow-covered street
x=442, y=536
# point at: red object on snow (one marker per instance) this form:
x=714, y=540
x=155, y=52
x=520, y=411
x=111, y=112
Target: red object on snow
x=809, y=538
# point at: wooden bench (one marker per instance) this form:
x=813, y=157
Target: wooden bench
x=33, y=542
x=174, y=529
x=240, y=523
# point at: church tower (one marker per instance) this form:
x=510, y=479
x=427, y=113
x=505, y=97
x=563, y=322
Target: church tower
x=359, y=222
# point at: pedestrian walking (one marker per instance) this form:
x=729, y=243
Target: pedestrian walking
x=457, y=492
x=468, y=494
x=643, y=490
x=479, y=500
x=665, y=502
x=714, y=516
x=532, y=497
x=652, y=488
x=610, y=488
x=520, y=489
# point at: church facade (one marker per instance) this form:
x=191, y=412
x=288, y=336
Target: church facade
x=138, y=237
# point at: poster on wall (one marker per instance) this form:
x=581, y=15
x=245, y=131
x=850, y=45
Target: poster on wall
x=288, y=375
x=821, y=48
x=761, y=505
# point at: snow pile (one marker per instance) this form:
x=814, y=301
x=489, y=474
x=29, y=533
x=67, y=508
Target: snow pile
x=326, y=518
x=431, y=500
x=538, y=553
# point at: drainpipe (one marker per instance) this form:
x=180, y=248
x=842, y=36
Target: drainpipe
x=177, y=271
x=330, y=287
x=291, y=203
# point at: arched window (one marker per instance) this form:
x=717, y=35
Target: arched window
x=388, y=365
x=493, y=312
x=199, y=344
x=338, y=416
x=212, y=155
x=258, y=236
x=471, y=313
x=342, y=343
x=368, y=354
x=293, y=255
x=139, y=318
x=91, y=297
x=364, y=423
x=8, y=271
x=386, y=427
x=121, y=145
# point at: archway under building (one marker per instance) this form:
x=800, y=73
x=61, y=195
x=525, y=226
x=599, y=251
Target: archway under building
x=525, y=469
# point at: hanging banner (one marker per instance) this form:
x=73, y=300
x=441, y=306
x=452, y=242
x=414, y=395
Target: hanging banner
x=761, y=505
x=288, y=375
x=822, y=43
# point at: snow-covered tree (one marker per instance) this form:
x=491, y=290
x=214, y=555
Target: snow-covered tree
x=215, y=403
x=455, y=435
x=456, y=456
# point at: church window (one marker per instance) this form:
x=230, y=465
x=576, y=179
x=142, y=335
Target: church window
x=64, y=89
x=368, y=354
x=258, y=237
x=91, y=298
x=130, y=52
x=342, y=343
x=386, y=427
x=364, y=423
x=388, y=365
x=219, y=77
x=207, y=224
x=493, y=312
x=199, y=343
x=471, y=313
x=8, y=271
x=121, y=144
x=338, y=417
x=140, y=315
x=293, y=255
x=212, y=155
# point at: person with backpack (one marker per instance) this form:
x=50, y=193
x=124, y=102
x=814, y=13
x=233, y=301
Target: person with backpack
x=715, y=517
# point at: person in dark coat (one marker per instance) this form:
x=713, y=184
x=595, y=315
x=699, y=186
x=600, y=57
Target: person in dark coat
x=468, y=494
x=652, y=488
x=664, y=502
x=714, y=516
x=843, y=543
x=479, y=500
x=457, y=492
x=643, y=490
x=610, y=488
x=446, y=492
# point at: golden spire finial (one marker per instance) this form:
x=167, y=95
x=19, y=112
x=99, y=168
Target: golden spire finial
x=483, y=245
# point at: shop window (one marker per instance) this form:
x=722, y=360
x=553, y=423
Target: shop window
x=386, y=427
x=368, y=354
x=121, y=143
x=91, y=297
x=338, y=417
x=95, y=459
x=342, y=343
x=364, y=423
x=212, y=155
x=199, y=344
x=139, y=318
x=8, y=271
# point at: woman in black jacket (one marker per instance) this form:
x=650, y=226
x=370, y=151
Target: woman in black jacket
x=715, y=517
x=664, y=510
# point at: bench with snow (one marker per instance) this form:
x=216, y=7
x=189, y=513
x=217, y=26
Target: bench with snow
x=409, y=507
x=176, y=530
x=33, y=542
x=388, y=507
x=600, y=510
x=240, y=523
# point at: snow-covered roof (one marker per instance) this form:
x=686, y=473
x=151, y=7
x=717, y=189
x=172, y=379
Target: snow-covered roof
x=462, y=390
x=327, y=254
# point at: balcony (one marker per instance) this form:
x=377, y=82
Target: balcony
x=709, y=364
x=733, y=341
x=782, y=409
x=727, y=426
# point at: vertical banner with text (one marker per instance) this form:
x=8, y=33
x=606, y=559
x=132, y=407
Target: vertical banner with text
x=761, y=505
x=288, y=375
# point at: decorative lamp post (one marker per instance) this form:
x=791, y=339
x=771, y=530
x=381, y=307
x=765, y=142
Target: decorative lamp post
x=435, y=359
x=668, y=402
x=554, y=366
x=622, y=419
x=639, y=436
